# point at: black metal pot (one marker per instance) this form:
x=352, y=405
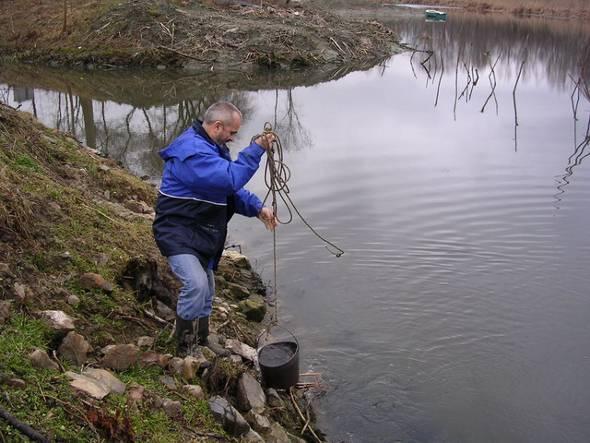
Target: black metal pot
x=279, y=364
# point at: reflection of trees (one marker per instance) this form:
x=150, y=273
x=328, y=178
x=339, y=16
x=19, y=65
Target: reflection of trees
x=554, y=47
x=293, y=135
x=135, y=139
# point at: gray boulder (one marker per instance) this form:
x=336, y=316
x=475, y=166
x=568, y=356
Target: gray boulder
x=250, y=394
x=231, y=420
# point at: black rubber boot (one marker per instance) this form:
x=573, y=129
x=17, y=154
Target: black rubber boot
x=185, y=336
x=203, y=331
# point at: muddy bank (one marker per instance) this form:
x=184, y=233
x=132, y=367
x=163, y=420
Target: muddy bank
x=87, y=311
x=187, y=34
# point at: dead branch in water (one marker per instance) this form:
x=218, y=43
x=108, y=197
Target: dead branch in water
x=493, y=83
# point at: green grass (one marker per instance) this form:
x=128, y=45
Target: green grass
x=24, y=163
x=35, y=404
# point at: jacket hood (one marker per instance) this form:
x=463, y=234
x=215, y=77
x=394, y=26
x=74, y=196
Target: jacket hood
x=182, y=150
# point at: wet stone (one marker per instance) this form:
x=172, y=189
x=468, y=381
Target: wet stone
x=250, y=394
x=231, y=420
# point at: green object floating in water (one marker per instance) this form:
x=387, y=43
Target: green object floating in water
x=433, y=14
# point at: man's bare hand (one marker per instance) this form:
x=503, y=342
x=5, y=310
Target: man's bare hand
x=267, y=217
x=265, y=141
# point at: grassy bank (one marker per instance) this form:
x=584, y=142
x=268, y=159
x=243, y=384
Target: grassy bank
x=65, y=212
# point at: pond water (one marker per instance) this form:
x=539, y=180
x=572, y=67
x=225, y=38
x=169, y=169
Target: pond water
x=459, y=311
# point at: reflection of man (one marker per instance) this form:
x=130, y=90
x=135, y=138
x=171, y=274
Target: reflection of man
x=201, y=189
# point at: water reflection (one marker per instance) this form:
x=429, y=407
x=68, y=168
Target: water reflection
x=555, y=48
x=131, y=123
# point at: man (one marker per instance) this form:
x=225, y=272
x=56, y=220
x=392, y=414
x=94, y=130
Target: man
x=201, y=189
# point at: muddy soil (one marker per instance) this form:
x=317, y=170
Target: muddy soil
x=187, y=33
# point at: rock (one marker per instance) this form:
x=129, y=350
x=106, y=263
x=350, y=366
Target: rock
x=237, y=259
x=254, y=308
x=90, y=280
x=222, y=310
x=40, y=359
x=172, y=408
x=231, y=420
x=5, y=311
x=104, y=167
x=277, y=434
x=20, y=291
x=135, y=395
x=190, y=366
x=107, y=194
x=164, y=311
x=195, y=391
x=4, y=268
x=120, y=357
x=17, y=383
x=138, y=207
x=88, y=385
x=161, y=67
x=97, y=383
x=274, y=399
x=235, y=359
x=260, y=423
x=169, y=382
x=238, y=291
x=250, y=394
x=154, y=359
x=74, y=348
x=107, y=379
x=175, y=365
x=145, y=342
x=73, y=300
x=58, y=320
x=242, y=349
x=101, y=259
x=217, y=349
x=252, y=437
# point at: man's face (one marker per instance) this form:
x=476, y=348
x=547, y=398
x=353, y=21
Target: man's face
x=225, y=132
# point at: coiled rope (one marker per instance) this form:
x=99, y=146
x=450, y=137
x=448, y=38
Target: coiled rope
x=276, y=177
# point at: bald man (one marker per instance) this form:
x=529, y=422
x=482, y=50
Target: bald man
x=202, y=187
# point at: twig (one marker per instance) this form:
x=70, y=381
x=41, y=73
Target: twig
x=155, y=317
x=180, y=53
x=205, y=434
x=23, y=428
x=338, y=46
x=79, y=411
x=61, y=367
x=302, y=416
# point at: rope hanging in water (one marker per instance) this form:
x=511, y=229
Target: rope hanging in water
x=276, y=177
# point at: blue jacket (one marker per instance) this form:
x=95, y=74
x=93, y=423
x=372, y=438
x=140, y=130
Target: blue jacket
x=200, y=191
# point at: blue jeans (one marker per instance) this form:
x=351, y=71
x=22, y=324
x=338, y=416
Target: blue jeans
x=198, y=287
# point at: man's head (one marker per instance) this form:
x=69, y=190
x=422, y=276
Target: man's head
x=222, y=122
